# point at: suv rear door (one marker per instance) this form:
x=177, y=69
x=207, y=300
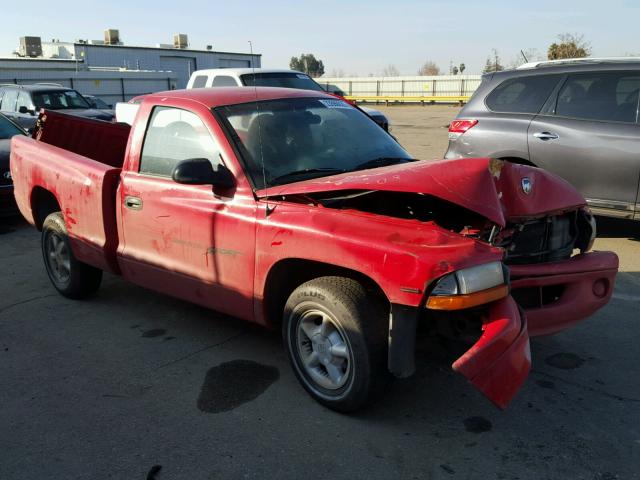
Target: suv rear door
x=503, y=116
x=589, y=134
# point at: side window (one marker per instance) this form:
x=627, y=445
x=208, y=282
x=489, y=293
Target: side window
x=24, y=100
x=224, y=81
x=9, y=100
x=200, y=81
x=522, y=95
x=604, y=96
x=174, y=135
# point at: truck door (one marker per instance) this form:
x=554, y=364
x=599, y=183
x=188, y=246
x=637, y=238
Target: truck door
x=591, y=138
x=184, y=240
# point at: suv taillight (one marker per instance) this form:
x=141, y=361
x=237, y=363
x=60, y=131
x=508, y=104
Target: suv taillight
x=458, y=127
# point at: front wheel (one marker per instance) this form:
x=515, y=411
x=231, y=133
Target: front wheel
x=335, y=334
x=70, y=277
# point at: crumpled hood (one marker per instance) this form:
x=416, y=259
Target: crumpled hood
x=489, y=187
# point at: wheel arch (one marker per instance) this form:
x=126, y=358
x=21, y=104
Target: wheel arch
x=287, y=274
x=43, y=203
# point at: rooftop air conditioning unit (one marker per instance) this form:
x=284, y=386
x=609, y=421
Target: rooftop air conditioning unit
x=30, y=47
x=180, y=40
x=111, y=36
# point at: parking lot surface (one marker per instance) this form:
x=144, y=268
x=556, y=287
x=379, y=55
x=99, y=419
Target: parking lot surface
x=112, y=386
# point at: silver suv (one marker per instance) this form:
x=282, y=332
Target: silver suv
x=575, y=118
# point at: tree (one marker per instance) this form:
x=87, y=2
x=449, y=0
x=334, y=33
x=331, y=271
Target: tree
x=570, y=46
x=461, y=68
x=526, y=55
x=308, y=64
x=454, y=70
x=493, y=63
x=429, y=68
x=390, y=71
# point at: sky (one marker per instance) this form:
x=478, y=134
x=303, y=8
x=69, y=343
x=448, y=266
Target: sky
x=352, y=37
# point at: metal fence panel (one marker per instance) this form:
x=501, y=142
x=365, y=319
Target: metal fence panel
x=413, y=88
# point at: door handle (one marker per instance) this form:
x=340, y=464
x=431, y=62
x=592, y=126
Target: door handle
x=546, y=136
x=133, y=203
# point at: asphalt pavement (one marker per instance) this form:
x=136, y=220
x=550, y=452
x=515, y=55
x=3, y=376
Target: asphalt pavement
x=131, y=384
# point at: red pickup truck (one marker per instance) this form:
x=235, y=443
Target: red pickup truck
x=292, y=209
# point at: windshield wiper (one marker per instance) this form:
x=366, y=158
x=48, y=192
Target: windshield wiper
x=382, y=162
x=311, y=172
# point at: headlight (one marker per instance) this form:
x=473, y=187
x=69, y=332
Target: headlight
x=469, y=287
x=586, y=230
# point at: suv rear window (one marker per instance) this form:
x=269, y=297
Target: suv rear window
x=200, y=81
x=224, y=81
x=604, y=96
x=299, y=81
x=522, y=95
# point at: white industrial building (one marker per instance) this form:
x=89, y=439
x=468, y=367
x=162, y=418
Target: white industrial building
x=112, y=70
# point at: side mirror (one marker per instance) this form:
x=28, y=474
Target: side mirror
x=198, y=171
x=25, y=110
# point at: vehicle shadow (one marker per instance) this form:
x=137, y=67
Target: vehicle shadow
x=11, y=224
x=618, y=228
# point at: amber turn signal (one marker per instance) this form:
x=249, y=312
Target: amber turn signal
x=459, y=302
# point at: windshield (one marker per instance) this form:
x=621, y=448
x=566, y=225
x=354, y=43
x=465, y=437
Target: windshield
x=302, y=138
x=299, y=81
x=59, y=100
x=98, y=103
x=8, y=129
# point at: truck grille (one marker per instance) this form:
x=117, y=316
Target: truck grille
x=539, y=240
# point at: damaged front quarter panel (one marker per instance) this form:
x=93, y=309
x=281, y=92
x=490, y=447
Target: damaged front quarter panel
x=468, y=203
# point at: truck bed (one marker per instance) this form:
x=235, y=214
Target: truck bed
x=78, y=162
x=101, y=141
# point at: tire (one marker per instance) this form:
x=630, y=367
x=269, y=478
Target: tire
x=336, y=336
x=70, y=277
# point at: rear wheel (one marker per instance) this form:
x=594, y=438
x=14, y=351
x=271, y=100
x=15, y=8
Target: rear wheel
x=70, y=277
x=336, y=334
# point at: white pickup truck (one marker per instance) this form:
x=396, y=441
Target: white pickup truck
x=267, y=77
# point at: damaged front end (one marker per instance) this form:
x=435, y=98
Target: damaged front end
x=555, y=277
x=545, y=280
x=470, y=310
